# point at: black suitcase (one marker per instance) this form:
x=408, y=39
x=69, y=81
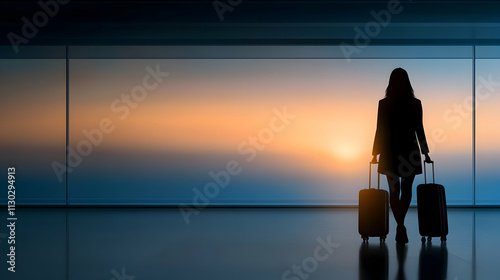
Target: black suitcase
x=432, y=213
x=373, y=213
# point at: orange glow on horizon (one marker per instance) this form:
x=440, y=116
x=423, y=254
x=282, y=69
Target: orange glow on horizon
x=208, y=110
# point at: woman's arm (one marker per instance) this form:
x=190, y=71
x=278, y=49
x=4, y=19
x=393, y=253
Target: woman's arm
x=420, y=132
x=378, y=133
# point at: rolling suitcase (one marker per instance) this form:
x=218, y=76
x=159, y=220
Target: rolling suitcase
x=373, y=213
x=432, y=213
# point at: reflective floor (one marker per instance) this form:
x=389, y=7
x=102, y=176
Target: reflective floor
x=243, y=243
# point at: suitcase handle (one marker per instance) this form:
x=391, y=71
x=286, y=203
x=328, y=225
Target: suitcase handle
x=370, y=177
x=425, y=173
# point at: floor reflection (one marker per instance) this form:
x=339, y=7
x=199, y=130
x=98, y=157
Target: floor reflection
x=402, y=251
x=373, y=261
x=244, y=243
x=433, y=262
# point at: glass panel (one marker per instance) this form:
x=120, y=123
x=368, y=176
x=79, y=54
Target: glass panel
x=445, y=88
x=144, y=138
x=37, y=52
x=487, y=131
x=293, y=52
x=33, y=125
x=487, y=51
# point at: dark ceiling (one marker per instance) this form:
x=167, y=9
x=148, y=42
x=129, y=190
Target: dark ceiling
x=250, y=22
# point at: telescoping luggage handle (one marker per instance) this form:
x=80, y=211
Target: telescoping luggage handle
x=370, y=177
x=425, y=173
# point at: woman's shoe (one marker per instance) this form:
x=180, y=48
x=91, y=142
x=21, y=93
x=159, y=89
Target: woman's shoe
x=401, y=236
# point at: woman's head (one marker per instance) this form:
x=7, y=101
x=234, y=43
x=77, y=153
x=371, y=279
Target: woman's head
x=399, y=85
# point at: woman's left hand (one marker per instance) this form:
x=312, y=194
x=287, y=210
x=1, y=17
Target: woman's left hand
x=428, y=159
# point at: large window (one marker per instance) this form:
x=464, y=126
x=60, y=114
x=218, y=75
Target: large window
x=216, y=108
x=33, y=123
x=487, y=125
x=260, y=125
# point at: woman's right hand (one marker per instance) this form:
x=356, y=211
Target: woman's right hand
x=428, y=159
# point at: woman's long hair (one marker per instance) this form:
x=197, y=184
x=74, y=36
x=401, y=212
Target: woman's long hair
x=399, y=85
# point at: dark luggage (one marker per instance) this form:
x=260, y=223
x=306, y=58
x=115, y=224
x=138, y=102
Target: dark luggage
x=432, y=213
x=373, y=213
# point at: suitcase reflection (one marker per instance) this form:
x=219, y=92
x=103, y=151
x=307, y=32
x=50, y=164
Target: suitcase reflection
x=374, y=262
x=433, y=262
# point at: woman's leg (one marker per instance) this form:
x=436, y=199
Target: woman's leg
x=406, y=186
x=394, y=188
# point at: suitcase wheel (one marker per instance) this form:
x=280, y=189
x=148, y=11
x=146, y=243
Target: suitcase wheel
x=365, y=238
x=429, y=239
x=382, y=239
x=443, y=238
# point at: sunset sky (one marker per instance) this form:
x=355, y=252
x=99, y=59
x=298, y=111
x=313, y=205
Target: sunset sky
x=195, y=120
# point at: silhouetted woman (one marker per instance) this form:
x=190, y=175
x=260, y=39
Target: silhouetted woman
x=400, y=139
